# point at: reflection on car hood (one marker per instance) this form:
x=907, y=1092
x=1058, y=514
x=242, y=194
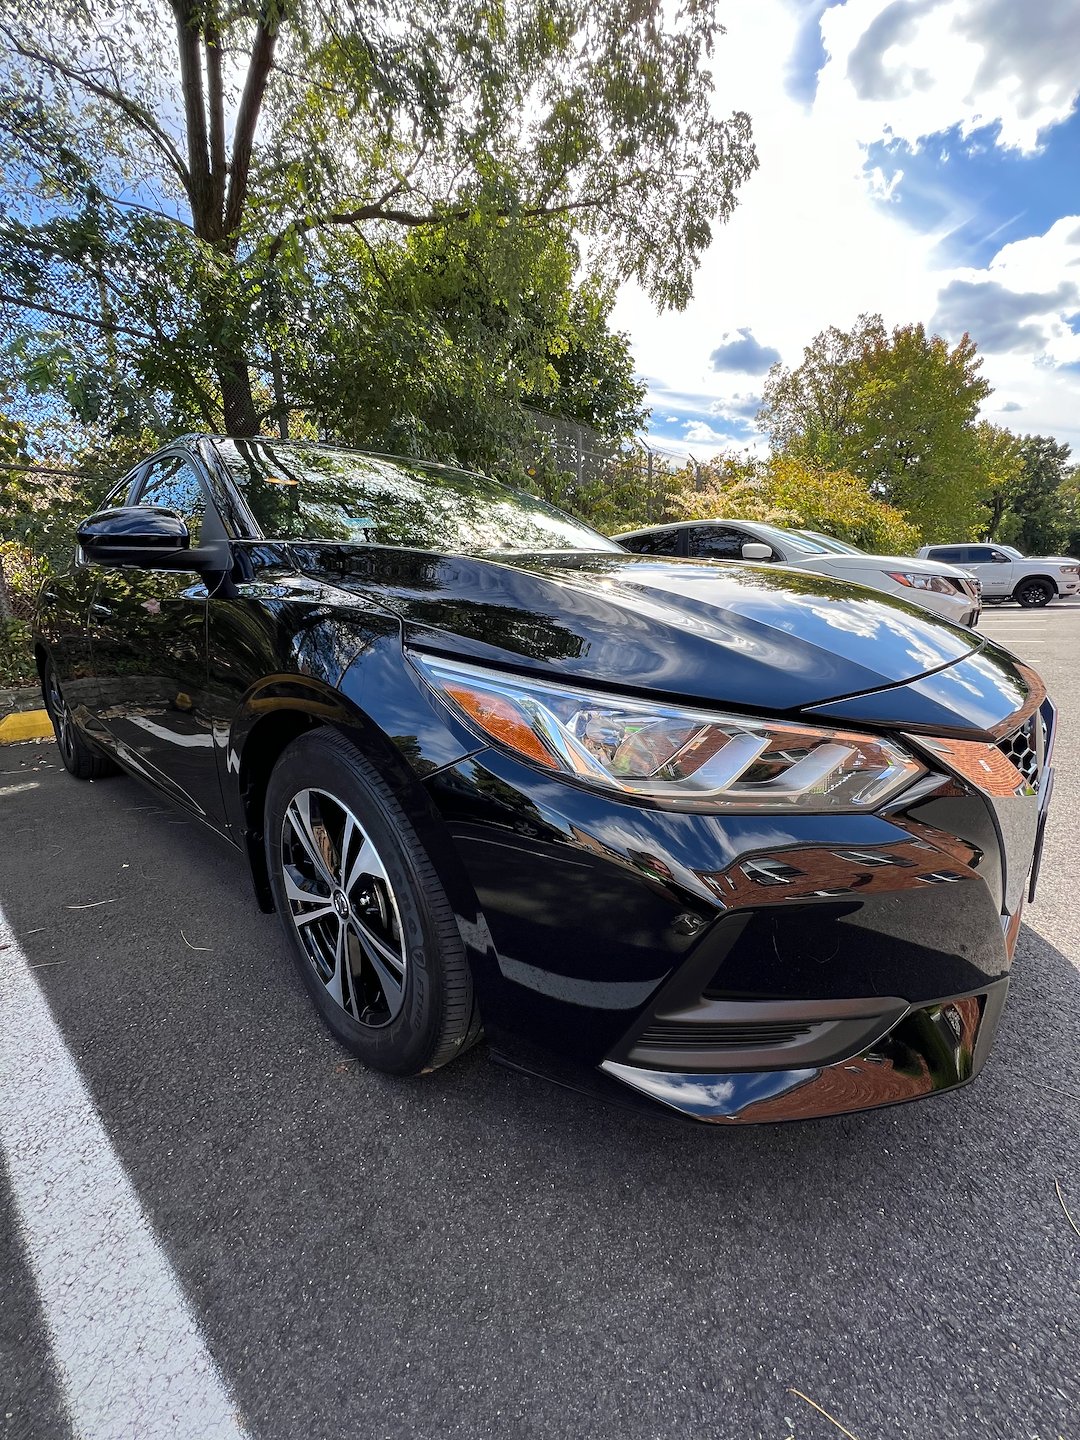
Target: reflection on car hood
x=741, y=635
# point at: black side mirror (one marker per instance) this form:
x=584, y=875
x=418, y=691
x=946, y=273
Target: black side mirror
x=145, y=536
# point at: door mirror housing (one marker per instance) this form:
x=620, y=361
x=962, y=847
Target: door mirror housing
x=145, y=536
x=756, y=550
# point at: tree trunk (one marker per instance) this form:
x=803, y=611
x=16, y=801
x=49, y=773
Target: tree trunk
x=997, y=512
x=281, y=408
x=234, y=378
x=5, y=597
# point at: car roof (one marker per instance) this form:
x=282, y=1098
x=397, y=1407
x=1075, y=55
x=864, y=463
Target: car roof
x=685, y=525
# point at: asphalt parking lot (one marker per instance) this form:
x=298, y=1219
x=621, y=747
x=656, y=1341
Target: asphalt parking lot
x=315, y=1251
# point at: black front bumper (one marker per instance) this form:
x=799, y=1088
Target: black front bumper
x=740, y=968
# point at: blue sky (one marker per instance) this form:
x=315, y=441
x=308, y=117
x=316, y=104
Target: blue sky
x=920, y=158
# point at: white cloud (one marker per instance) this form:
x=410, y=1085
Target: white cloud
x=698, y=433
x=912, y=68
x=812, y=244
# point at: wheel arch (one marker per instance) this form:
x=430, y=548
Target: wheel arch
x=285, y=707
x=1047, y=581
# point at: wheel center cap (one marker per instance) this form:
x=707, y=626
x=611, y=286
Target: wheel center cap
x=341, y=904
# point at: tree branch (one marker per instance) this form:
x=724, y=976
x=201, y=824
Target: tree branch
x=112, y=327
x=378, y=211
x=247, y=118
x=200, y=189
x=136, y=113
x=215, y=97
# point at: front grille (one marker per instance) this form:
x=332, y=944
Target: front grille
x=1025, y=747
x=722, y=1036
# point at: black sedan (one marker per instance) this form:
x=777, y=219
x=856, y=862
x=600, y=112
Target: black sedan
x=749, y=844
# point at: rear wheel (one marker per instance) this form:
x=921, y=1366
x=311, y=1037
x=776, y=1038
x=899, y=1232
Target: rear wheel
x=366, y=918
x=79, y=759
x=1033, y=593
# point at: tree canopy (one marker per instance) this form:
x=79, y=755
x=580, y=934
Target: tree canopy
x=897, y=409
x=188, y=181
x=1037, y=519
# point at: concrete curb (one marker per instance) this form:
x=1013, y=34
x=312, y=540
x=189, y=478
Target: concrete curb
x=23, y=697
x=25, y=725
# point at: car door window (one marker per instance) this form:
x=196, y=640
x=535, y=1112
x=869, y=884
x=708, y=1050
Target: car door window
x=172, y=484
x=981, y=554
x=954, y=554
x=717, y=542
x=654, y=542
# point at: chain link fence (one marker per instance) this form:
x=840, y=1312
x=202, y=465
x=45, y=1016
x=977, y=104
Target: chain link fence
x=625, y=485
x=38, y=507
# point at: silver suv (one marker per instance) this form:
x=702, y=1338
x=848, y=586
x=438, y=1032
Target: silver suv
x=1008, y=575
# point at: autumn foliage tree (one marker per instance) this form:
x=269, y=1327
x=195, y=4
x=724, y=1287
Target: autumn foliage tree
x=796, y=494
x=898, y=409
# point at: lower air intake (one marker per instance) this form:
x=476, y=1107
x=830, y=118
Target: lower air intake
x=721, y=1036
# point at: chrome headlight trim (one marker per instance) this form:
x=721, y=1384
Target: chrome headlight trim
x=680, y=757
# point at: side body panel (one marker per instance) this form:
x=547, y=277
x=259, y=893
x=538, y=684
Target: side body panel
x=61, y=622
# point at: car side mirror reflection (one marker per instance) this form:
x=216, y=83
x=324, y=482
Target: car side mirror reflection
x=145, y=536
x=756, y=550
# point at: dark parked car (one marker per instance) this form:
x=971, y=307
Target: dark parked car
x=750, y=844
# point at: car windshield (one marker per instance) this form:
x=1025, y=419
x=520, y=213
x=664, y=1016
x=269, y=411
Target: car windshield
x=789, y=539
x=314, y=492
x=829, y=542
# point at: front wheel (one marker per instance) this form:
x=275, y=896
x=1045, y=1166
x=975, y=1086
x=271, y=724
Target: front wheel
x=79, y=760
x=365, y=915
x=1033, y=593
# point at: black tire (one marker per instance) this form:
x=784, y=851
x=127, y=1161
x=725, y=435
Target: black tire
x=1032, y=594
x=401, y=905
x=79, y=758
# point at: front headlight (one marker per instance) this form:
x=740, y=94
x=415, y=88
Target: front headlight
x=917, y=580
x=686, y=759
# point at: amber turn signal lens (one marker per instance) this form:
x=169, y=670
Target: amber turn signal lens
x=503, y=721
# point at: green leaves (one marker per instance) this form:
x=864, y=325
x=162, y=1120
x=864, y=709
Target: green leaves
x=369, y=216
x=896, y=409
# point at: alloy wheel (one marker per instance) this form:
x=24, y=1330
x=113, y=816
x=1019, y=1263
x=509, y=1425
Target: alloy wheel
x=343, y=907
x=1034, y=595
x=60, y=714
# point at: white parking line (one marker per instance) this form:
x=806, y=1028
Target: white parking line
x=126, y=1345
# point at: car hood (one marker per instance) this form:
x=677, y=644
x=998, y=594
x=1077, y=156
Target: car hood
x=740, y=635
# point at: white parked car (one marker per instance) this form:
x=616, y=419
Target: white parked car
x=945, y=589
x=1008, y=575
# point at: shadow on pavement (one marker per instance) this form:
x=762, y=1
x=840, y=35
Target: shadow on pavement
x=480, y=1254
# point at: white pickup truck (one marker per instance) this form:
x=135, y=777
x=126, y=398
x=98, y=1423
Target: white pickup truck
x=1007, y=575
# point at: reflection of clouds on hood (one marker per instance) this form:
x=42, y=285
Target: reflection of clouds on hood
x=872, y=620
x=1009, y=688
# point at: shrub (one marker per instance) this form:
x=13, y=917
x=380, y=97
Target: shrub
x=16, y=655
x=798, y=495
x=21, y=574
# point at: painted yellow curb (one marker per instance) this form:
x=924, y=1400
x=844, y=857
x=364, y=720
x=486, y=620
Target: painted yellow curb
x=26, y=725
